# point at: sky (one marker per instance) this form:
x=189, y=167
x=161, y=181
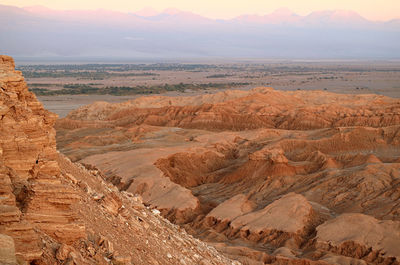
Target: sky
x=379, y=10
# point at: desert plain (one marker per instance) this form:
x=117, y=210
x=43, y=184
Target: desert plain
x=354, y=77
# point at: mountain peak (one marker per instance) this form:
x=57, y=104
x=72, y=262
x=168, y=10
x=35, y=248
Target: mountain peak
x=36, y=8
x=172, y=11
x=336, y=16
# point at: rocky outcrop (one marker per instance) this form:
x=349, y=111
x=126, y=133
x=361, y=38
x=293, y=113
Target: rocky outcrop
x=221, y=216
x=141, y=176
x=35, y=197
x=290, y=217
x=7, y=250
x=190, y=169
x=33, y=138
x=361, y=236
x=12, y=220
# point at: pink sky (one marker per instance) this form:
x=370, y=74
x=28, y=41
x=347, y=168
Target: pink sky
x=370, y=9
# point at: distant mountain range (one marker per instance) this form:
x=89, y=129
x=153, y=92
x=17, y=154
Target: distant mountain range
x=38, y=32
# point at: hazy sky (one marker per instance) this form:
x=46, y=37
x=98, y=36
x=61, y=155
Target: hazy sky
x=371, y=9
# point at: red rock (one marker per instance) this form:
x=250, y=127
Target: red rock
x=28, y=162
x=361, y=236
x=7, y=250
x=290, y=216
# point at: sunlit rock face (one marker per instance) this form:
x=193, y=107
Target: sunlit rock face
x=33, y=195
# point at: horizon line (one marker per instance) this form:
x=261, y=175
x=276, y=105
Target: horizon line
x=165, y=10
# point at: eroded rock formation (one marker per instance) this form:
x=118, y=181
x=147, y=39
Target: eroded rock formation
x=35, y=196
x=271, y=175
x=239, y=110
x=374, y=240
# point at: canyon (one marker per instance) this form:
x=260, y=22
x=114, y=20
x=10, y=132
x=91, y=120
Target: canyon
x=257, y=176
x=265, y=176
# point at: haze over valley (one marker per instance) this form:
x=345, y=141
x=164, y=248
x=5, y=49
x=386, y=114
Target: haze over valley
x=39, y=33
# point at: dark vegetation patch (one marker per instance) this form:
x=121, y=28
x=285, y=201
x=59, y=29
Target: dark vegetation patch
x=79, y=89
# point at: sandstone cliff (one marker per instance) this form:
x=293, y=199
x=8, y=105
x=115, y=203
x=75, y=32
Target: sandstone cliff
x=53, y=211
x=36, y=196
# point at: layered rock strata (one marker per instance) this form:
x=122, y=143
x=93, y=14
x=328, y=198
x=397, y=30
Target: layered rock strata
x=33, y=195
